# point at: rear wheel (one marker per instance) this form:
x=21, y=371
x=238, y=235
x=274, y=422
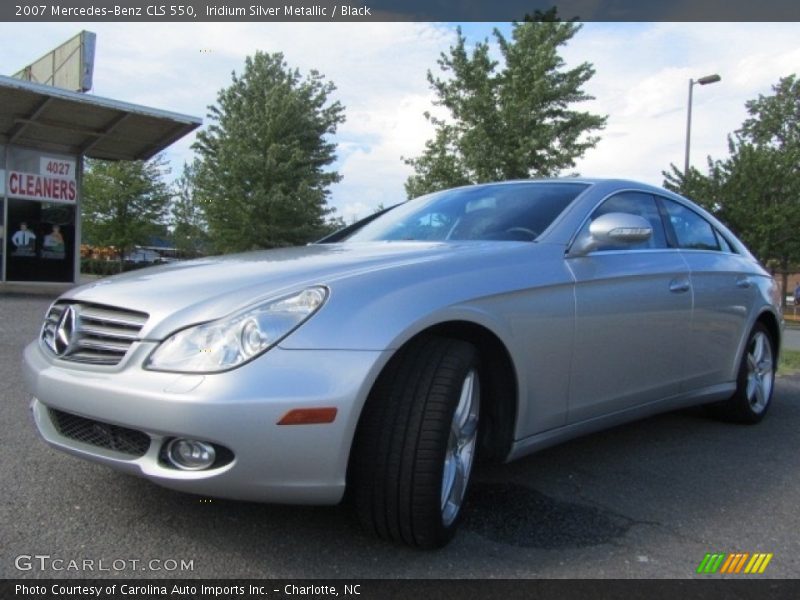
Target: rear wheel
x=755, y=381
x=416, y=443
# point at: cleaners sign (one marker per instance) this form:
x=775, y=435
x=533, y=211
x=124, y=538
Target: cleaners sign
x=56, y=183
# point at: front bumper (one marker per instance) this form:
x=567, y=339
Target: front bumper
x=238, y=409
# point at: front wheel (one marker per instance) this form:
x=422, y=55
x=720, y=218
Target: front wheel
x=416, y=443
x=755, y=381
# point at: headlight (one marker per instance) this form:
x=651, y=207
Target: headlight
x=229, y=342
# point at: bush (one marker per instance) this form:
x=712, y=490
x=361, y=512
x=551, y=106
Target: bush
x=104, y=268
x=95, y=266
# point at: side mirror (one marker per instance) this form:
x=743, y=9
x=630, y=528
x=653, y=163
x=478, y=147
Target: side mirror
x=613, y=229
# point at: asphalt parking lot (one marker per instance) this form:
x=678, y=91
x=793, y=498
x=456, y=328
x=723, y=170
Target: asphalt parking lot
x=648, y=499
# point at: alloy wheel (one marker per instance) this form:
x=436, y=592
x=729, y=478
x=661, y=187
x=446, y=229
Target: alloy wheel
x=760, y=372
x=461, y=445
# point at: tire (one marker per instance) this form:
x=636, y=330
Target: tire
x=416, y=443
x=754, y=383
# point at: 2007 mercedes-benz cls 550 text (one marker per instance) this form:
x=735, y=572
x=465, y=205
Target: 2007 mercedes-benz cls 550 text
x=485, y=321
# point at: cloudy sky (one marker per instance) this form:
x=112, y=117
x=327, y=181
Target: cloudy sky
x=379, y=69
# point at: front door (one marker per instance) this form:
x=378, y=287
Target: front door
x=633, y=315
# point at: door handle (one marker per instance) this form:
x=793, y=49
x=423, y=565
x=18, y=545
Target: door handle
x=679, y=286
x=743, y=282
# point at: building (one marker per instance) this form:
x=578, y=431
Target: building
x=45, y=132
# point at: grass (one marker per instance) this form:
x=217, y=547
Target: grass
x=789, y=363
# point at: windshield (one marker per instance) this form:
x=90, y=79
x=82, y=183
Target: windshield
x=511, y=212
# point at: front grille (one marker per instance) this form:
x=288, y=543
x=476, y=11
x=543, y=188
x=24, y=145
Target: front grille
x=91, y=333
x=113, y=437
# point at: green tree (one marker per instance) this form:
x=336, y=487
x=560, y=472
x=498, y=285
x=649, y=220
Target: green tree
x=774, y=120
x=262, y=176
x=756, y=189
x=189, y=228
x=510, y=121
x=124, y=202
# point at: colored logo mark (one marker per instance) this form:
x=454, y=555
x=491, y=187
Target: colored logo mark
x=738, y=562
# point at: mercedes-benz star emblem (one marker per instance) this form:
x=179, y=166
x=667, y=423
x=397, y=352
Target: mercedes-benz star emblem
x=64, y=331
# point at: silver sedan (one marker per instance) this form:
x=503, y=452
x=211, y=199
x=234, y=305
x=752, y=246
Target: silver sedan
x=484, y=322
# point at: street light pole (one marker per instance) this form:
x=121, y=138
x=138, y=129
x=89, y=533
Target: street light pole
x=702, y=81
x=688, y=131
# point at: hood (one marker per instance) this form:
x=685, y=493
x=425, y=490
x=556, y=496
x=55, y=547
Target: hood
x=184, y=293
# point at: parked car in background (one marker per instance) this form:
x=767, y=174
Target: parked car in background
x=142, y=255
x=486, y=321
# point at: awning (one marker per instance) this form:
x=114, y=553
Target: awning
x=56, y=120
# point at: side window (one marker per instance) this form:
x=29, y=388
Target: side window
x=724, y=244
x=691, y=230
x=635, y=203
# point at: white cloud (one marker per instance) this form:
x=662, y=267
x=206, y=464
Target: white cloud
x=642, y=79
x=379, y=69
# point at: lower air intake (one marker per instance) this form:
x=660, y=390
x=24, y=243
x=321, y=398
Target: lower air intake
x=103, y=435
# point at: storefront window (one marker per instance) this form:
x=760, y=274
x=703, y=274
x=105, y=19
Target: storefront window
x=40, y=245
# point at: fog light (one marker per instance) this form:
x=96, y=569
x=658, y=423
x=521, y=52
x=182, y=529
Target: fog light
x=190, y=455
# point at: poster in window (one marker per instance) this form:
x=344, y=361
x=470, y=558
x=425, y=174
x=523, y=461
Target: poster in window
x=40, y=241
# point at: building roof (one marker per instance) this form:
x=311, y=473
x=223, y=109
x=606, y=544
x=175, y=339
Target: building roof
x=58, y=120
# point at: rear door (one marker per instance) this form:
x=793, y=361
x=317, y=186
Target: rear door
x=724, y=290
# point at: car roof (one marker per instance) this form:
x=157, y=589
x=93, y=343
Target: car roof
x=585, y=180
x=604, y=184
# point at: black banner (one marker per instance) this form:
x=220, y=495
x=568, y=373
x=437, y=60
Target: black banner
x=416, y=589
x=397, y=10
